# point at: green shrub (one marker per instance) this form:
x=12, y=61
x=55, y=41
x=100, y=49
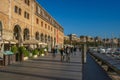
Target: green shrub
x=14, y=49
x=41, y=51
x=21, y=49
x=26, y=53
x=35, y=52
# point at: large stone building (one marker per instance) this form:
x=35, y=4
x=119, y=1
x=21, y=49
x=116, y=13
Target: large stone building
x=25, y=22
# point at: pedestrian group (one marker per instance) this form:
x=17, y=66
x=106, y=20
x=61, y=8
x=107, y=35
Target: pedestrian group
x=66, y=53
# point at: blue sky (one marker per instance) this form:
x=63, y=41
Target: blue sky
x=86, y=17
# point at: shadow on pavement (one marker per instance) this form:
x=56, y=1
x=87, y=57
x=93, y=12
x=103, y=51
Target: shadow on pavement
x=53, y=60
x=45, y=68
x=93, y=71
x=35, y=75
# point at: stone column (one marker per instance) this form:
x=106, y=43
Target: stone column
x=10, y=13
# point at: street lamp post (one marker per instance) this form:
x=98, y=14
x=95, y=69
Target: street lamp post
x=84, y=56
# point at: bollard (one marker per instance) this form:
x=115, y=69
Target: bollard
x=84, y=50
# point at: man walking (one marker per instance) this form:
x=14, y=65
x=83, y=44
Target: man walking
x=62, y=54
x=67, y=54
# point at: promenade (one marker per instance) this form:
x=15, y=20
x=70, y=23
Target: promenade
x=93, y=71
x=44, y=68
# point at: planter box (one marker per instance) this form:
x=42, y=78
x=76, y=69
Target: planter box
x=25, y=58
x=42, y=54
x=35, y=56
x=13, y=58
x=6, y=59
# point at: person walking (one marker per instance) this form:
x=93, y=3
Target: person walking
x=75, y=50
x=62, y=54
x=53, y=53
x=67, y=54
x=71, y=50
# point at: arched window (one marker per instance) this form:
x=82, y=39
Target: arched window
x=42, y=24
x=46, y=39
x=26, y=34
x=0, y=30
x=20, y=11
x=17, y=32
x=37, y=35
x=16, y=9
x=0, y=26
x=49, y=38
x=27, y=2
x=42, y=37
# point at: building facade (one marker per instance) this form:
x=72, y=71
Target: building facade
x=25, y=22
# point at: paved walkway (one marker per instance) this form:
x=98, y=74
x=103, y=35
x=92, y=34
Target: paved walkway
x=44, y=68
x=93, y=71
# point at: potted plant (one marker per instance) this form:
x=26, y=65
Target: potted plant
x=35, y=53
x=21, y=51
x=14, y=49
x=26, y=54
x=42, y=52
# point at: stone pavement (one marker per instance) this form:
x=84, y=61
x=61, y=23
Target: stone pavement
x=44, y=68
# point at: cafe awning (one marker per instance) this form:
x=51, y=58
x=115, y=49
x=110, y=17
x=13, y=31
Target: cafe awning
x=31, y=42
x=9, y=41
x=7, y=52
x=13, y=41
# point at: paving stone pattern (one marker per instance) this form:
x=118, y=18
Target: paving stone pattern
x=44, y=68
